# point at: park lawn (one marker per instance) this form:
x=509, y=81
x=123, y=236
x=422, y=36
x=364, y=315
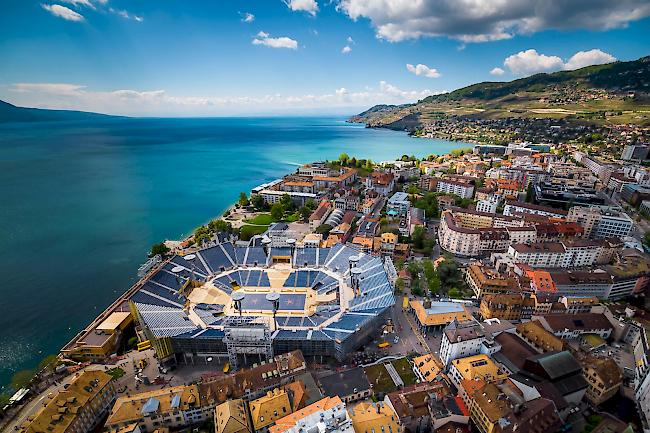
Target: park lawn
x=116, y=373
x=263, y=219
x=380, y=379
x=292, y=218
x=247, y=231
x=405, y=371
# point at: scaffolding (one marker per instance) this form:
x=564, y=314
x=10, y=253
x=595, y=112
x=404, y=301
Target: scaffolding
x=245, y=338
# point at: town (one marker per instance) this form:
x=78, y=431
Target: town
x=495, y=289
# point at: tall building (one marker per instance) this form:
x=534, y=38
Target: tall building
x=461, y=339
x=77, y=409
x=601, y=223
x=635, y=152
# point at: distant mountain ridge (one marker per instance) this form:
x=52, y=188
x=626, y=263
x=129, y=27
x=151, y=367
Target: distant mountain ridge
x=563, y=89
x=11, y=113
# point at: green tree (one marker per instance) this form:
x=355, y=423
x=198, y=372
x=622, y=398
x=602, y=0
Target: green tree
x=243, y=200
x=646, y=239
x=277, y=211
x=21, y=379
x=219, y=225
x=257, y=201
x=310, y=204
x=305, y=212
x=48, y=363
x=399, y=285
x=159, y=248
x=132, y=343
x=434, y=284
x=323, y=229
x=287, y=203
x=417, y=238
x=343, y=158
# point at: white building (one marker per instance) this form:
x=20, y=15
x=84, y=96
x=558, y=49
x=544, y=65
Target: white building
x=513, y=207
x=461, y=189
x=489, y=206
x=327, y=415
x=460, y=340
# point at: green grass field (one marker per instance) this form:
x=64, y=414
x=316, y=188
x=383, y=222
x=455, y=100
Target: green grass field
x=380, y=379
x=263, y=219
x=247, y=231
x=405, y=371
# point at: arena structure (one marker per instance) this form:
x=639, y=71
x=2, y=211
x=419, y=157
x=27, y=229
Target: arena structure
x=239, y=301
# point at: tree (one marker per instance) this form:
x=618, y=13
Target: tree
x=323, y=229
x=399, y=285
x=343, y=158
x=21, y=379
x=257, y=201
x=646, y=239
x=287, y=203
x=310, y=204
x=277, y=211
x=434, y=284
x=305, y=212
x=219, y=225
x=159, y=248
x=132, y=343
x=243, y=200
x=417, y=238
x=48, y=363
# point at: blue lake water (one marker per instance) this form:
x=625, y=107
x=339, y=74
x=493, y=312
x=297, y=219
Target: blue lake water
x=82, y=202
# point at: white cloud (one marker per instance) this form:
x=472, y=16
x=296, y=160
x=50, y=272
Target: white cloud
x=497, y=71
x=63, y=12
x=346, y=49
x=489, y=20
x=531, y=62
x=350, y=40
x=159, y=102
x=588, y=58
x=423, y=70
x=309, y=6
x=281, y=42
x=86, y=3
x=126, y=15
x=248, y=17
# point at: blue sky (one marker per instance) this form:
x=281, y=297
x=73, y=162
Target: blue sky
x=185, y=58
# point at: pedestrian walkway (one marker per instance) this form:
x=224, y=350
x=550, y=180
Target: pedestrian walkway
x=397, y=380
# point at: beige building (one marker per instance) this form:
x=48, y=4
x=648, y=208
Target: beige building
x=77, y=409
x=374, y=418
x=232, y=417
x=175, y=407
x=604, y=379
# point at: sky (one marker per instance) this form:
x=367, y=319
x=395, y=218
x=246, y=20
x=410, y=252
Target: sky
x=226, y=57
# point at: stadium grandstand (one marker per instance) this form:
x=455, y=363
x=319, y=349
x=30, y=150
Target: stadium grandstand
x=325, y=301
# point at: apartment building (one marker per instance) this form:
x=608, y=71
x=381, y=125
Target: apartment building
x=485, y=281
x=175, y=407
x=460, y=340
x=601, y=223
x=462, y=189
x=475, y=367
x=77, y=409
x=604, y=378
x=330, y=412
x=514, y=207
x=502, y=306
x=398, y=205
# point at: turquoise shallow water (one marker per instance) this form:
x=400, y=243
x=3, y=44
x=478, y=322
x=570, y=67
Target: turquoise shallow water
x=81, y=203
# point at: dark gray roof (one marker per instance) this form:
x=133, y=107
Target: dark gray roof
x=557, y=364
x=344, y=383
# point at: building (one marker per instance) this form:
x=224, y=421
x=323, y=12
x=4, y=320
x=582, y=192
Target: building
x=576, y=253
x=476, y=367
x=433, y=315
x=561, y=370
x=329, y=412
x=398, y=205
x=175, y=407
x=516, y=207
x=601, y=223
x=488, y=206
x=232, y=417
x=485, y=281
x=100, y=341
x=382, y=183
x=538, y=337
x=77, y=409
x=604, y=378
x=427, y=367
x=573, y=326
x=374, y=418
x=462, y=189
x=502, y=408
x=319, y=216
x=502, y=306
x=460, y=340
x=269, y=408
x=635, y=152
x=349, y=385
